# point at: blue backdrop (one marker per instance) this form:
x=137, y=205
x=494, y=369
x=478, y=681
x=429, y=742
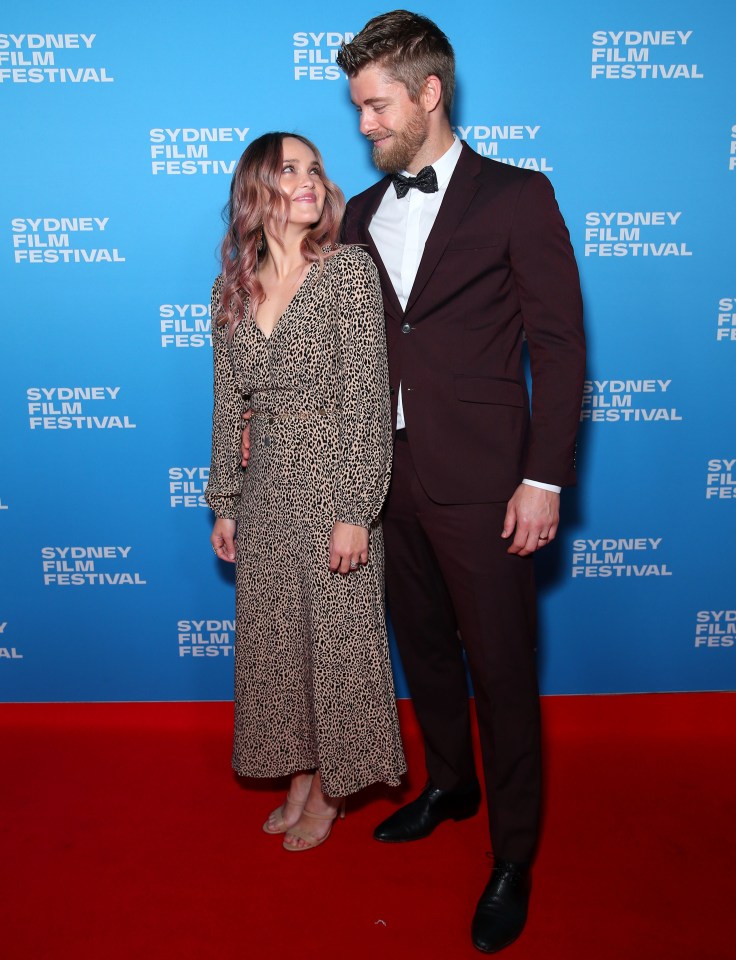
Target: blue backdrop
x=121, y=127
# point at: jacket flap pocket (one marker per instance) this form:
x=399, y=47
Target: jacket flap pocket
x=489, y=390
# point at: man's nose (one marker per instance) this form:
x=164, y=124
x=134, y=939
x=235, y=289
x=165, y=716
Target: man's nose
x=367, y=124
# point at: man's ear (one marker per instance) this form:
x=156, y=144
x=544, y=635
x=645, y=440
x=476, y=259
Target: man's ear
x=430, y=96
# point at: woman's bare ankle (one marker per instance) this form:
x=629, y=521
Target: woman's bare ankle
x=300, y=787
x=318, y=803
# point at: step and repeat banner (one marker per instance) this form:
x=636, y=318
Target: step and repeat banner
x=121, y=128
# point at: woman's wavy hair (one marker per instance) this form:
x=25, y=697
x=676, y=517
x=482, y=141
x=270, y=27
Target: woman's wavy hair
x=255, y=197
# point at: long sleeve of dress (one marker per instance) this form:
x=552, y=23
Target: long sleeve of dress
x=226, y=474
x=364, y=468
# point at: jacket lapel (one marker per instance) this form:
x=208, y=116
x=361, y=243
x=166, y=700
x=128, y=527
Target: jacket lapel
x=460, y=192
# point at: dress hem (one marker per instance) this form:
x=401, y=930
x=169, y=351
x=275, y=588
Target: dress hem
x=391, y=780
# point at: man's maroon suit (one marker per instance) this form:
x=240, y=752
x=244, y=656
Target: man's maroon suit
x=497, y=266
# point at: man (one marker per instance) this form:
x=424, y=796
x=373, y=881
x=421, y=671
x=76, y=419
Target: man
x=474, y=257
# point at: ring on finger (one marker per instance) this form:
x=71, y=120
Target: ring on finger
x=353, y=564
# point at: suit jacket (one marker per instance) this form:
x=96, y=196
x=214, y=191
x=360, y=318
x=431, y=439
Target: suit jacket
x=497, y=266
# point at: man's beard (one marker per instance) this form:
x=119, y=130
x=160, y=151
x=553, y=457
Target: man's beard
x=403, y=145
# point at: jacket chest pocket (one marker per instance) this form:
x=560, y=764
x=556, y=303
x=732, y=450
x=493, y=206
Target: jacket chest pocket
x=475, y=239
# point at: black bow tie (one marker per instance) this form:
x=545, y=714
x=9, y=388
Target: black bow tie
x=425, y=180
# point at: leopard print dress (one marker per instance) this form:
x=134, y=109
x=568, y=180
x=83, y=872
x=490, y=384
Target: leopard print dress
x=313, y=681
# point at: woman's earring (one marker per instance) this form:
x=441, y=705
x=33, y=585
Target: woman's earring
x=260, y=240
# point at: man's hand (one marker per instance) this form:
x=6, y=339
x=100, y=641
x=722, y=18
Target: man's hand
x=245, y=439
x=532, y=515
x=223, y=539
x=348, y=547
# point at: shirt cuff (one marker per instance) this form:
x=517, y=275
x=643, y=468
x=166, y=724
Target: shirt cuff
x=542, y=486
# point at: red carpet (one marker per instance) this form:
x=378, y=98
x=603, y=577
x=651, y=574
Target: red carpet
x=124, y=835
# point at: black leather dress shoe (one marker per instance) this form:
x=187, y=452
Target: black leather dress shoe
x=501, y=912
x=418, y=819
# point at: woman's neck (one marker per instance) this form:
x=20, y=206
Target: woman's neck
x=282, y=261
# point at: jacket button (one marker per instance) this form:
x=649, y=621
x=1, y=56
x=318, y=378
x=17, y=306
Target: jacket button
x=406, y=328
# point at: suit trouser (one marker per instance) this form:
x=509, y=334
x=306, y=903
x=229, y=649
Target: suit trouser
x=447, y=570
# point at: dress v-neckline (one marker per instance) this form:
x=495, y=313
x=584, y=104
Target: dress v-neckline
x=287, y=308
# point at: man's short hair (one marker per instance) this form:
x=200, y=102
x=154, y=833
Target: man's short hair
x=409, y=47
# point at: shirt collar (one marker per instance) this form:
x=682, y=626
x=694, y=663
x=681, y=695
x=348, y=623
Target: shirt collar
x=445, y=165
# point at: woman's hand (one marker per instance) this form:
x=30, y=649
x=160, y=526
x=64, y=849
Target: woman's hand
x=348, y=547
x=223, y=539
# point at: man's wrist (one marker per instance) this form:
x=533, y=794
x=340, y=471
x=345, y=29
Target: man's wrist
x=553, y=488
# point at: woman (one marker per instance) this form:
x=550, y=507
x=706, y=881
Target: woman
x=297, y=329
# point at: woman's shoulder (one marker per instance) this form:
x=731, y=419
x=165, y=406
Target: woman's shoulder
x=217, y=289
x=351, y=257
x=351, y=252
x=217, y=327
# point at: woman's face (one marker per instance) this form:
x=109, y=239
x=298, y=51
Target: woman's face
x=301, y=183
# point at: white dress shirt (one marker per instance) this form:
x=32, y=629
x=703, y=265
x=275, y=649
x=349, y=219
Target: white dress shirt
x=400, y=229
